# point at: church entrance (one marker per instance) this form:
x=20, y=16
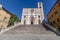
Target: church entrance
x=32, y=19
x=32, y=22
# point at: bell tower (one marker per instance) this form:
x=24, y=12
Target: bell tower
x=39, y=5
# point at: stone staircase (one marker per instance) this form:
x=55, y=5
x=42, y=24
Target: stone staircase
x=28, y=29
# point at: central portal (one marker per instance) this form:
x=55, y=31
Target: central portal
x=32, y=20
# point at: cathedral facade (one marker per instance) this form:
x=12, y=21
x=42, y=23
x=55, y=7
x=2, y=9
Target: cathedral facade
x=33, y=16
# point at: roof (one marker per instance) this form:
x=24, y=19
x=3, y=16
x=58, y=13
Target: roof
x=53, y=7
x=7, y=11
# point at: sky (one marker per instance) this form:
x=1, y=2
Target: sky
x=16, y=6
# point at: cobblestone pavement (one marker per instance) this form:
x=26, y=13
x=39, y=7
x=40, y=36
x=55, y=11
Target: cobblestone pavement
x=29, y=29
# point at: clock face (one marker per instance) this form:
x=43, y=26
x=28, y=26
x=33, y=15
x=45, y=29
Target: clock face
x=32, y=10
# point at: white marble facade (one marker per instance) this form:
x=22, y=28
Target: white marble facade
x=33, y=16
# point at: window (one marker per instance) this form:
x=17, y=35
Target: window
x=55, y=12
x=59, y=3
x=58, y=20
x=40, y=7
x=52, y=15
x=5, y=19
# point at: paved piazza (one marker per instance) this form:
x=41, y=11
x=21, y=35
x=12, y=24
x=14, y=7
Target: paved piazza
x=29, y=32
x=28, y=37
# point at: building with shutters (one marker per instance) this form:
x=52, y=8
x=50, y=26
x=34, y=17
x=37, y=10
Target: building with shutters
x=53, y=16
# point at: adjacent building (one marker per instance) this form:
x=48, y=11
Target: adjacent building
x=4, y=17
x=53, y=16
x=7, y=18
x=33, y=16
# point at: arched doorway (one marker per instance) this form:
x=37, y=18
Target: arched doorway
x=32, y=20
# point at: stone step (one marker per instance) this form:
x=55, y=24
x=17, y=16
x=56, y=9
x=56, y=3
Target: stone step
x=27, y=29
